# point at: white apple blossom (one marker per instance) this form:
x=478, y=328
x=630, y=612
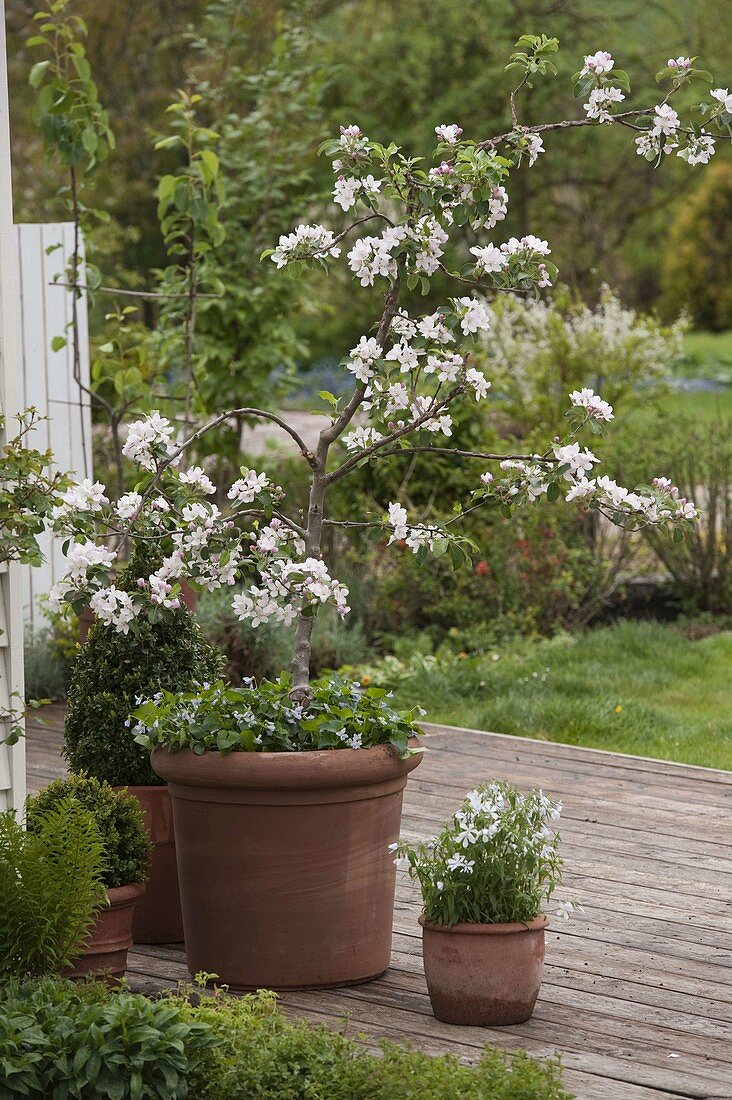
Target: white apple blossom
x=83, y=556
x=447, y=367
x=724, y=97
x=433, y=328
x=361, y=438
x=405, y=355
x=197, y=477
x=113, y=607
x=529, y=244
x=649, y=145
x=448, y=134
x=580, y=462
x=682, y=63
x=599, y=64
x=248, y=487
x=397, y=518
x=489, y=258
x=473, y=315
x=535, y=147
x=698, y=150
x=665, y=121
x=581, y=489
x=600, y=101
x=348, y=189
x=403, y=325
x=479, y=383
x=306, y=242
x=149, y=441
x=128, y=505
x=498, y=207
x=362, y=357
x=84, y=496
x=596, y=408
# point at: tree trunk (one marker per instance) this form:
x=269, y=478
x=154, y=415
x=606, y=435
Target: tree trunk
x=303, y=635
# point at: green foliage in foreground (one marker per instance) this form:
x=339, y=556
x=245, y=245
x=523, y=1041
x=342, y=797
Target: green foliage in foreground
x=635, y=687
x=84, y=1041
x=80, y=1041
x=50, y=887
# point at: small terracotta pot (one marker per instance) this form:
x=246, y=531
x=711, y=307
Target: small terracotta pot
x=487, y=975
x=285, y=874
x=110, y=938
x=158, y=918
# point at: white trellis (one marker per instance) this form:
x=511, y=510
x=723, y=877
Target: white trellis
x=12, y=760
x=46, y=377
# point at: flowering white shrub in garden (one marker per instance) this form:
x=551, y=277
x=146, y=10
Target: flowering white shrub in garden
x=408, y=372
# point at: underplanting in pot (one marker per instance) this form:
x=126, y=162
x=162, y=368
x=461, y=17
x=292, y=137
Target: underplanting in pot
x=112, y=672
x=485, y=881
x=283, y=815
x=125, y=854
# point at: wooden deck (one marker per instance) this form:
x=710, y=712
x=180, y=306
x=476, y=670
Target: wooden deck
x=637, y=997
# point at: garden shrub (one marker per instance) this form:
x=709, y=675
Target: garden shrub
x=112, y=670
x=88, y=1042
x=50, y=887
x=258, y=1053
x=700, y=457
x=697, y=268
x=64, y=1040
x=538, y=350
x=118, y=817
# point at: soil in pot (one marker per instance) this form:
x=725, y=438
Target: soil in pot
x=486, y=975
x=285, y=874
x=158, y=917
x=110, y=938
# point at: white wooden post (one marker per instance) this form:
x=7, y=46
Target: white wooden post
x=46, y=378
x=12, y=760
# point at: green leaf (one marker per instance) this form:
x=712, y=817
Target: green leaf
x=37, y=73
x=58, y=342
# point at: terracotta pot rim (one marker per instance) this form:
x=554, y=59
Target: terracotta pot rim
x=121, y=895
x=311, y=769
x=538, y=924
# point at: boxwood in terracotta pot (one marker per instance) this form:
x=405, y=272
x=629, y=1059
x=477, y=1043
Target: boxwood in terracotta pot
x=126, y=851
x=283, y=816
x=485, y=881
x=112, y=671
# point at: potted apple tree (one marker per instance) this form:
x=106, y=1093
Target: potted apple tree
x=286, y=795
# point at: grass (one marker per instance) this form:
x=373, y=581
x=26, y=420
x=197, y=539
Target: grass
x=635, y=687
x=707, y=355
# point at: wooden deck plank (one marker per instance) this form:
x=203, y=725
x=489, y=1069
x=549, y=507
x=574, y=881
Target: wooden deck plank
x=637, y=997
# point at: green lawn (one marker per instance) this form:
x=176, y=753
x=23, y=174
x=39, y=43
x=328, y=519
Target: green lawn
x=639, y=688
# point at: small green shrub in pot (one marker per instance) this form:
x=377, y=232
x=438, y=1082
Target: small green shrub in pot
x=113, y=671
x=51, y=884
x=117, y=816
x=485, y=881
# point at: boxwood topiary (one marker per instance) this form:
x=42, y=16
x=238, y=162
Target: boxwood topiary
x=118, y=817
x=113, y=670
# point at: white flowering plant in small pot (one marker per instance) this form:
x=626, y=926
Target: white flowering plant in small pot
x=486, y=881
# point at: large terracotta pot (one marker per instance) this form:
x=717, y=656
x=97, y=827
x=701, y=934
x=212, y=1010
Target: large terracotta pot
x=110, y=937
x=285, y=874
x=483, y=974
x=158, y=918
